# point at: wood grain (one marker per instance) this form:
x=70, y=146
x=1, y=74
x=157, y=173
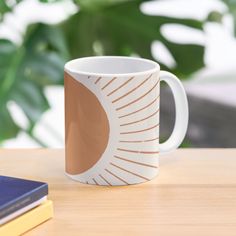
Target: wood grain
x=194, y=194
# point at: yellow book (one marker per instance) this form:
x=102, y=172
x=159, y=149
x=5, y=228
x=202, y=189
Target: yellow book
x=28, y=220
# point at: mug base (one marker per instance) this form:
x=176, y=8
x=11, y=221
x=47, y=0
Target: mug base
x=77, y=179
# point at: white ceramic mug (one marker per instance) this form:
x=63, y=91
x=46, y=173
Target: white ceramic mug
x=112, y=119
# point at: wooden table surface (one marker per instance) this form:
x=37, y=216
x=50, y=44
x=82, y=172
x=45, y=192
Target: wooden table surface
x=194, y=194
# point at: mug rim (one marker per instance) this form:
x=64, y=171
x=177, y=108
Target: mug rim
x=69, y=67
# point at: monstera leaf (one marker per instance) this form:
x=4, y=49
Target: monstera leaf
x=232, y=10
x=25, y=71
x=7, y=6
x=120, y=28
x=101, y=27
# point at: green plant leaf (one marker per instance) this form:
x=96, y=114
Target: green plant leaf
x=91, y=5
x=122, y=29
x=25, y=70
x=101, y=27
x=232, y=10
x=7, y=6
x=4, y=7
x=8, y=128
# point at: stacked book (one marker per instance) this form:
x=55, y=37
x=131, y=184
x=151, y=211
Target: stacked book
x=23, y=205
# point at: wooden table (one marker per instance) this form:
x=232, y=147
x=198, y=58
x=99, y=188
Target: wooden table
x=195, y=194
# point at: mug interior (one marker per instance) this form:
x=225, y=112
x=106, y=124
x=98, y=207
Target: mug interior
x=111, y=65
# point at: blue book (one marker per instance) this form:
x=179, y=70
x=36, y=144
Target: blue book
x=16, y=194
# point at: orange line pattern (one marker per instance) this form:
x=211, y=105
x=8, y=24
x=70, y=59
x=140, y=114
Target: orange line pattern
x=99, y=78
x=120, y=161
x=132, y=90
x=137, y=121
x=135, y=162
x=139, y=131
x=116, y=176
x=122, y=85
x=109, y=83
x=131, y=113
x=105, y=179
x=138, y=141
x=140, y=176
x=139, y=98
x=95, y=181
x=135, y=151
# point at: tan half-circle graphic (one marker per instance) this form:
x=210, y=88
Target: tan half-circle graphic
x=87, y=127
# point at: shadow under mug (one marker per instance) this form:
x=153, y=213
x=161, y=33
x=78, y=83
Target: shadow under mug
x=112, y=119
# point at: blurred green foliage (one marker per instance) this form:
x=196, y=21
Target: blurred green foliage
x=232, y=10
x=101, y=27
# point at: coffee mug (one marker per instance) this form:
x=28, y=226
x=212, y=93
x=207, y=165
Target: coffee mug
x=112, y=119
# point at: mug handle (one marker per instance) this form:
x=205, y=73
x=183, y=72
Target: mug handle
x=181, y=110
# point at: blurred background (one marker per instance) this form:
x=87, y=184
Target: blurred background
x=193, y=39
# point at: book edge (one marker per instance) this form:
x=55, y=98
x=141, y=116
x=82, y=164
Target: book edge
x=29, y=220
x=21, y=211
x=34, y=195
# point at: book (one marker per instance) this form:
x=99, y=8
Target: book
x=28, y=220
x=22, y=211
x=16, y=194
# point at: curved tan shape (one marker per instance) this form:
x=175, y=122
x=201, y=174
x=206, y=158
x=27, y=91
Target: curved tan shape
x=87, y=127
